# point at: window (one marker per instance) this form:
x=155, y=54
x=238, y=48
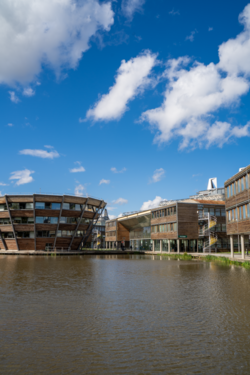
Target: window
x=5, y=221
x=45, y=233
x=240, y=211
x=175, y=227
x=248, y=210
x=223, y=227
x=55, y=206
x=232, y=215
x=232, y=190
x=40, y=205
x=217, y=212
x=7, y=234
x=66, y=206
x=20, y=206
x=228, y=192
x=242, y=184
x=236, y=214
x=229, y=215
x=247, y=184
x=174, y=210
x=23, y=220
x=238, y=186
x=212, y=211
x=46, y=220
x=235, y=188
x=244, y=211
x=223, y=212
x=171, y=227
x=153, y=215
x=3, y=207
x=25, y=234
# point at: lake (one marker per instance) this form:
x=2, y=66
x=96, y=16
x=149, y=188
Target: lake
x=124, y=314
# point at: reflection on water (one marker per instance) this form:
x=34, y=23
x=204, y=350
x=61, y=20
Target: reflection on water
x=122, y=315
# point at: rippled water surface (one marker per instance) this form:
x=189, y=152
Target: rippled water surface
x=123, y=315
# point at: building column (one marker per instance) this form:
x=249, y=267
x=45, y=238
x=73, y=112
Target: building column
x=242, y=246
x=232, y=246
x=153, y=246
x=161, y=246
x=169, y=246
x=178, y=246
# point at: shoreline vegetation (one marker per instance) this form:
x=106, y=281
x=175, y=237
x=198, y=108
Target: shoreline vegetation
x=208, y=258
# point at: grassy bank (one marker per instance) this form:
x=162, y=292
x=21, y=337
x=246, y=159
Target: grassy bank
x=226, y=261
x=176, y=256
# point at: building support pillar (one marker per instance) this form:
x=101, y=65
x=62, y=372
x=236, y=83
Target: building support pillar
x=169, y=246
x=178, y=246
x=242, y=246
x=153, y=246
x=232, y=246
x=161, y=246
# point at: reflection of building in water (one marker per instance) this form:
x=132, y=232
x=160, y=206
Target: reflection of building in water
x=194, y=224
x=238, y=210
x=46, y=222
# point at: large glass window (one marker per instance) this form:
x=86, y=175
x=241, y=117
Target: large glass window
x=23, y=220
x=20, y=206
x=223, y=212
x=25, y=234
x=229, y=215
x=242, y=184
x=40, y=205
x=247, y=184
x=46, y=233
x=3, y=207
x=223, y=227
x=46, y=220
x=231, y=189
x=5, y=221
x=239, y=186
x=68, y=220
x=240, y=212
x=228, y=192
x=217, y=212
x=244, y=212
x=232, y=215
x=7, y=234
x=212, y=211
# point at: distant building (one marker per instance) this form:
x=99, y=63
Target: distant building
x=47, y=222
x=197, y=223
x=238, y=210
x=98, y=231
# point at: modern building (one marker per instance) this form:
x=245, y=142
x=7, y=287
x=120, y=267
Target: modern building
x=194, y=224
x=238, y=210
x=46, y=222
x=98, y=232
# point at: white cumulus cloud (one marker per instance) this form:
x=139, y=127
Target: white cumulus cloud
x=47, y=32
x=112, y=217
x=132, y=78
x=2, y=184
x=129, y=7
x=120, y=201
x=151, y=204
x=158, y=175
x=194, y=93
x=79, y=189
x=40, y=153
x=22, y=177
x=28, y=91
x=104, y=182
x=114, y=170
x=78, y=169
x=13, y=96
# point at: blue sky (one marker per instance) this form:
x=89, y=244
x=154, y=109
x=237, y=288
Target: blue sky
x=126, y=101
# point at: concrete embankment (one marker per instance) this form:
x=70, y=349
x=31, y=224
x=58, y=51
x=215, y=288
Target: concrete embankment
x=59, y=253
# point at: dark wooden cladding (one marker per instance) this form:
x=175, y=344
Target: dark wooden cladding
x=110, y=229
x=2, y=244
x=6, y=228
x=164, y=235
x=164, y=220
x=21, y=213
x=63, y=242
x=11, y=244
x=67, y=226
x=83, y=227
x=24, y=227
x=4, y=214
x=48, y=199
x=47, y=213
x=70, y=213
x=25, y=243
x=42, y=242
x=123, y=233
x=76, y=200
x=41, y=227
x=89, y=215
x=110, y=239
x=20, y=199
x=188, y=220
